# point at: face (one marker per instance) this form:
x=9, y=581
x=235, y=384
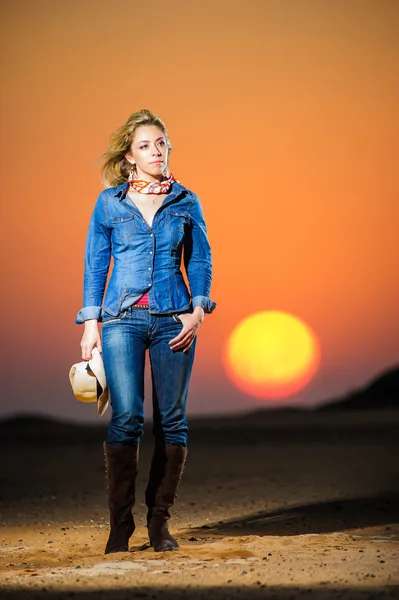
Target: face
x=149, y=153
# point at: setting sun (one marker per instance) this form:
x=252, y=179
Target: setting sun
x=271, y=354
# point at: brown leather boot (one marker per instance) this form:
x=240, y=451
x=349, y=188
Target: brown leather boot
x=165, y=476
x=121, y=470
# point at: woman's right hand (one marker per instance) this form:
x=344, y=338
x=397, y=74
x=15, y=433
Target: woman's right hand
x=91, y=338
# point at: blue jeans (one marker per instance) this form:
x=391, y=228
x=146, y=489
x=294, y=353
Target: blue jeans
x=125, y=339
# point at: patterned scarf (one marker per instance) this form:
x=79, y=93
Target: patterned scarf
x=151, y=187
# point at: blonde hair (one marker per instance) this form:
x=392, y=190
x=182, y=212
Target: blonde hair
x=116, y=167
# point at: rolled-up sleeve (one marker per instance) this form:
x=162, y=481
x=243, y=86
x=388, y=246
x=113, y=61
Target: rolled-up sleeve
x=198, y=259
x=96, y=263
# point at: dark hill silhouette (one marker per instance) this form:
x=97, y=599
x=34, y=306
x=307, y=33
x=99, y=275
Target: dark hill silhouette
x=382, y=392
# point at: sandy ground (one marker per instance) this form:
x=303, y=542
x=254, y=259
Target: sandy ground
x=271, y=506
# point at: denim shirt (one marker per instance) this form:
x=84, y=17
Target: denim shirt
x=146, y=259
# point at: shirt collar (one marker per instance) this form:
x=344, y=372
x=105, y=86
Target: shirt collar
x=121, y=190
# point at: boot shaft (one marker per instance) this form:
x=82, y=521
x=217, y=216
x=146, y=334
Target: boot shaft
x=121, y=468
x=165, y=476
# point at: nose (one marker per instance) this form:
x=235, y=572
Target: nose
x=157, y=151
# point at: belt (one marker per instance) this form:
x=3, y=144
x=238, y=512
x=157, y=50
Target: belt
x=140, y=306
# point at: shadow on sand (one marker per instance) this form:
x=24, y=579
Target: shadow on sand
x=220, y=593
x=317, y=518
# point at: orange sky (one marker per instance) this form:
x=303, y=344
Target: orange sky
x=283, y=118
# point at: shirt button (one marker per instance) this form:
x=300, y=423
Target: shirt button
x=150, y=251
x=152, y=235
x=149, y=268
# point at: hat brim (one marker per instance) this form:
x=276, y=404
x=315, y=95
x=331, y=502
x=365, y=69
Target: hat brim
x=96, y=365
x=89, y=383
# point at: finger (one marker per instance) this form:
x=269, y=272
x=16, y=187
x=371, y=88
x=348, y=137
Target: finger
x=86, y=352
x=179, y=345
x=189, y=346
x=182, y=337
x=183, y=344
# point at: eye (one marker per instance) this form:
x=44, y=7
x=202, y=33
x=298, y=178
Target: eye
x=162, y=142
x=142, y=147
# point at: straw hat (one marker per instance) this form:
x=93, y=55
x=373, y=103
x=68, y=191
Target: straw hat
x=88, y=381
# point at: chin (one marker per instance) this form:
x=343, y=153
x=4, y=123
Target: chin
x=157, y=169
x=161, y=169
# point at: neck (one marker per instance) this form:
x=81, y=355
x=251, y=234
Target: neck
x=152, y=178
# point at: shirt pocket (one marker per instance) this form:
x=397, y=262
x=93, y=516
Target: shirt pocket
x=176, y=220
x=124, y=227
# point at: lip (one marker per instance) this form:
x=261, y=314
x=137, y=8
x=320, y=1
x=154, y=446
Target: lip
x=156, y=161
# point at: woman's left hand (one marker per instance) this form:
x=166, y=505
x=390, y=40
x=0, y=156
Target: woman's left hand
x=191, y=323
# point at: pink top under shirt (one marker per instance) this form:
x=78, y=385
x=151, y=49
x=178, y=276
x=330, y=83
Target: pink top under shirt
x=143, y=299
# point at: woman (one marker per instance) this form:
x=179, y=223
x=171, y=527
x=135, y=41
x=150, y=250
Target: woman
x=145, y=219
